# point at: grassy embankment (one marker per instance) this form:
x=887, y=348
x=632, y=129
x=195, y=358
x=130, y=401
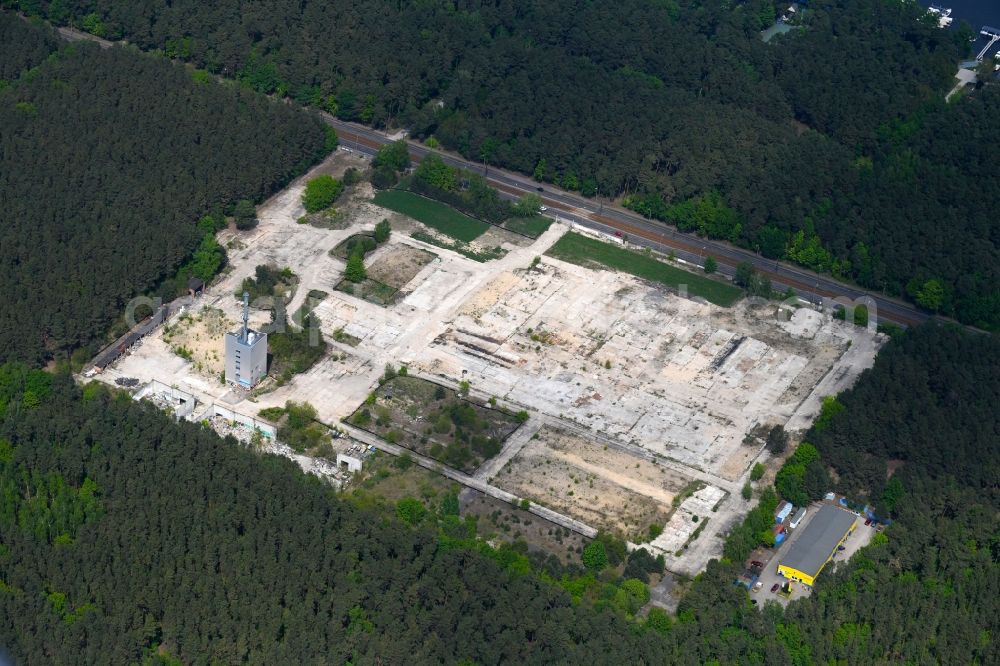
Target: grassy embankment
x=533, y=227
x=578, y=249
x=434, y=214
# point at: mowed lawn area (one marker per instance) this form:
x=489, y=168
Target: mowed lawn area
x=585, y=251
x=434, y=214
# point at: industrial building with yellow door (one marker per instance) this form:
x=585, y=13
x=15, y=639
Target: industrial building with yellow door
x=816, y=545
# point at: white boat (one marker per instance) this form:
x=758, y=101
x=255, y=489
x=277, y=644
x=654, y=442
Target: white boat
x=943, y=15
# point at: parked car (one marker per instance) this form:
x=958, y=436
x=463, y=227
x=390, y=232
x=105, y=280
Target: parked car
x=542, y=209
x=755, y=563
x=757, y=586
x=540, y=189
x=774, y=588
x=868, y=522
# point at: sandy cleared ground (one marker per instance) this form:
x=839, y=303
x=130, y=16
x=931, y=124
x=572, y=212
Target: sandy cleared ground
x=398, y=265
x=603, y=487
x=201, y=333
x=619, y=363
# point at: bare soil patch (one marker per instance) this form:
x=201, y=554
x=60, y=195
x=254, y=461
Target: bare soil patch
x=601, y=486
x=399, y=264
x=199, y=337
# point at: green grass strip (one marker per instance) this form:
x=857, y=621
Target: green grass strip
x=585, y=251
x=434, y=214
x=533, y=227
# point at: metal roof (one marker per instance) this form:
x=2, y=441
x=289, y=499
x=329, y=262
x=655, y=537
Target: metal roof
x=810, y=551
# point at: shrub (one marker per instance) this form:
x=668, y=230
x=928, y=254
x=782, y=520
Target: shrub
x=355, y=270
x=382, y=231
x=351, y=177
x=777, y=440
x=383, y=178
x=321, y=192
x=658, y=620
x=595, y=557
x=410, y=510
x=245, y=214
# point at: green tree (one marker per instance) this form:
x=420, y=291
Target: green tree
x=757, y=472
x=355, y=271
x=382, y=231
x=540, y=170
x=330, y=139
x=410, y=510
x=527, y=205
x=745, y=272
x=92, y=23
x=206, y=261
x=777, y=440
x=595, y=557
x=892, y=494
x=383, y=178
x=245, y=214
x=351, y=177
x=435, y=173
x=930, y=295
x=395, y=156
x=710, y=264
x=861, y=316
x=638, y=594
x=450, y=505
x=747, y=491
x=658, y=620
x=321, y=192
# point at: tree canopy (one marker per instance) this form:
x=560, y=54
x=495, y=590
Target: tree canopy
x=108, y=160
x=806, y=148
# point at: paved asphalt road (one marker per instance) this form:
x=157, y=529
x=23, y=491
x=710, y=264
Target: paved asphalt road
x=640, y=231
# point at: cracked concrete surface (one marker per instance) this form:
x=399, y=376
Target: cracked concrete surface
x=600, y=355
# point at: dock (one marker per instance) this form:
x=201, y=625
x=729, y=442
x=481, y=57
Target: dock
x=991, y=33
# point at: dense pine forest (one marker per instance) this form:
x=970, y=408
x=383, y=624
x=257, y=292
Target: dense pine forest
x=123, y=533
x=126, y=537
x=108, y=160
x=814, y=139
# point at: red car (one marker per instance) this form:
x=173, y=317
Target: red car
x=774, y=588
x=868, y=522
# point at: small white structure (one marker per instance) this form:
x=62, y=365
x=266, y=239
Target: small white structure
x=350, y=463
x=797, y=518
x=181, y=403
